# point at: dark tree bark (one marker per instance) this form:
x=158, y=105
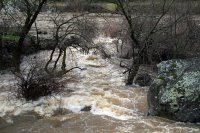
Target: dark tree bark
x=1, y=51
x=135, y=44
x=140, y=43
x=30, y=19
x=64, y=59
x=132, y=72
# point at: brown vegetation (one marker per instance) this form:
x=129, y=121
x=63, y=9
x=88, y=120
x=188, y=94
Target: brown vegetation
x=35, y=84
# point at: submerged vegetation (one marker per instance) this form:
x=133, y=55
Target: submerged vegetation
x=35, y=84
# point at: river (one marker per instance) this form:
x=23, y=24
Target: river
x=111, y=107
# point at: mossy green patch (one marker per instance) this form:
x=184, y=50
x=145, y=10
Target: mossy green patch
x=171, y=96
x=175, y=92
x=173, y=65
x=162, y=78
x=10, y=38
x=109, y=6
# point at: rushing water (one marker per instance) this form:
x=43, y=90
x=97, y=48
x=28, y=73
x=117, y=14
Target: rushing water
x=113, y=107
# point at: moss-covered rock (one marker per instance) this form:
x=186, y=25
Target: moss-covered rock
x=175, y=93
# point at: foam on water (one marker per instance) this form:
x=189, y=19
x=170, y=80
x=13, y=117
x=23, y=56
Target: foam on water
x=101, y=87
x=100, y=75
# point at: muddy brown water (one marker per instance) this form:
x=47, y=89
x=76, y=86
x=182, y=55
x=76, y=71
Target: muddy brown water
x=86, y=122
x=115, y=108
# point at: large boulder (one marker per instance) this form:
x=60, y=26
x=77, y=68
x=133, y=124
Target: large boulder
x=175, y=93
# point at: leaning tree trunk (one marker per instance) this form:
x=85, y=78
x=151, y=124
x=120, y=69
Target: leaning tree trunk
x=17, y=59
x=25, y=30
x=141, y=57
x=64, y=59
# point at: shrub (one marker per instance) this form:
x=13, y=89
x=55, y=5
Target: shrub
x=36, y=84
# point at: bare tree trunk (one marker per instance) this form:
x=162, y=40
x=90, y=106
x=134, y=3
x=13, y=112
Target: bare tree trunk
x=64, y=59
x=26, y=28
x=56, y=62
x=37, y=34
x=140, y=51
x=17, y=59
x=132, y=74
x=1, y=51
x=133, y=71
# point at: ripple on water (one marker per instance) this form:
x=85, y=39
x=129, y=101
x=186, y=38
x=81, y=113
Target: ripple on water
x=114, y=107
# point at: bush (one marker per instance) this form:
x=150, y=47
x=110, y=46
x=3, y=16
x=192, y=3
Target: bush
x=36, y=84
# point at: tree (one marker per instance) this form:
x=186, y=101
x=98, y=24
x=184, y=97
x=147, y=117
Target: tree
x=30, y=10
x=146, y=27
x=76, y=31
x=1, y=51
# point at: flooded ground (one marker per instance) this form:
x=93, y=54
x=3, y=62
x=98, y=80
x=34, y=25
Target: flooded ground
x=95, y=100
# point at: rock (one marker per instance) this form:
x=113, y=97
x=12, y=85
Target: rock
x=96, y=65
x=92, y=57
x=3, y=123
x=175, y=93
x=42, y=32
x=143, y=80
x=46, y=44
x=86, y=108
x=61, y=111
